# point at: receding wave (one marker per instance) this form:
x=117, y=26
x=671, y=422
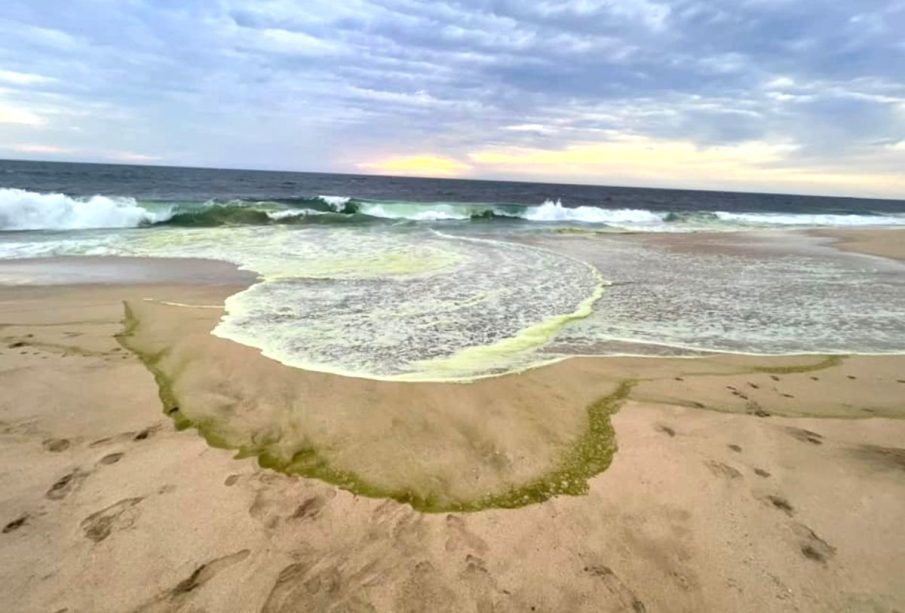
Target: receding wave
x=26, y=210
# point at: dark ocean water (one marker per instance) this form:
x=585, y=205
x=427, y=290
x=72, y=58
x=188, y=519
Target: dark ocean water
x=167, y=184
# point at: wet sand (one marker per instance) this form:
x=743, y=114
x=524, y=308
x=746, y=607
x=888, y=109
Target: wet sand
x=888, y=243
x=739, y=483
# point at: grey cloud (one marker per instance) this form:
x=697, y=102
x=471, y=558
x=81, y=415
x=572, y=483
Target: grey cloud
x=245, y=83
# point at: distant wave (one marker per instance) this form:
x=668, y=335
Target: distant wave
x=785, y=219
x=26, y=210
x=555, y=211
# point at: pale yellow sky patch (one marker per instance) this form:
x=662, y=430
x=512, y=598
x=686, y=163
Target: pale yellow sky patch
x=39, y=149
x=129, y=156
x=630, y=153
x=425, y=165
x=11, y=114
x=22, y=78
x=672, y=163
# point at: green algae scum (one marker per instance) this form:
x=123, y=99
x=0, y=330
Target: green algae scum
x=277, y=429
x=589, y=455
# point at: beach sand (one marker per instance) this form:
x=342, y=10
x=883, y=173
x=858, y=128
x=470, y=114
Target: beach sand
x=889, y=243
x=739, y=483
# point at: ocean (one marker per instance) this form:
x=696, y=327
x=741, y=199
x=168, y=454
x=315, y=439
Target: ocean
x=439, y=279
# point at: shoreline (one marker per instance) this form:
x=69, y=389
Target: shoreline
x=881, y=242
x=97, y=482
x=886, y=242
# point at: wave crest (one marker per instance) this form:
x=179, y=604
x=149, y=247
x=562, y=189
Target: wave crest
x=25, y=210
x=555, y=211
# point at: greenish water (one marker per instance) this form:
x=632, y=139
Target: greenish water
x=416, y=280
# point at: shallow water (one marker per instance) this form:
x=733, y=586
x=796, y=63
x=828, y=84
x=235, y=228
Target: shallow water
x=749, y=292
x=370, y=285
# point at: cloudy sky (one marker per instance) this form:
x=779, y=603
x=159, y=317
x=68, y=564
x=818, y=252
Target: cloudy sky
x=802, y=96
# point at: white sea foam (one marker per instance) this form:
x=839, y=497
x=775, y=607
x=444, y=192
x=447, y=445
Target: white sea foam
x=549, y=211
x=416, y=212
x=290, y=213
x=791, y=219
x=336, y=202
x=25, y=210
x=555, y=211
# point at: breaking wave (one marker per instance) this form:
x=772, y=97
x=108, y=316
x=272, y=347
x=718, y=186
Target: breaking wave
x=26, y=210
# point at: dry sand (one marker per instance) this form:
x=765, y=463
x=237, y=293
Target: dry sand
x=740, y=483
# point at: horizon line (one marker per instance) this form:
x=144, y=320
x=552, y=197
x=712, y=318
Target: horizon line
x=460, y=179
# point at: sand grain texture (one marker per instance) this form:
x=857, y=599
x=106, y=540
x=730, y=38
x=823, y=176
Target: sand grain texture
x=713, y=501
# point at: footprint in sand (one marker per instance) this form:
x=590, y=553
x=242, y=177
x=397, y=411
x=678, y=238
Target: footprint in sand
x=665, y=430
x=426, y=590
x=283, y=593
x=127, y=436
x=56, y=445
x=112, y=458
x=754, y=408
x=309, y=509
x=459, y=537
x=174, y=599
x=782, y=504
x=479, y=583
x=206, y=572
x=805, y=436
x=15, y=524
x=314, y=583
x=812, y=546
x=66, y=484
x=722, y=470
x=623, y=595
x=474, y=565
x=879, y=457
x=146, y=433
x=117, y=516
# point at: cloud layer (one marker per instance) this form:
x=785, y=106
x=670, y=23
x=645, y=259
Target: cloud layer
x=774, y=95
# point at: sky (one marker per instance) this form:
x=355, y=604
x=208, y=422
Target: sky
x=800, y=96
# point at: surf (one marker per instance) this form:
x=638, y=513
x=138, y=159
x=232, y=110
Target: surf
x=27, y=210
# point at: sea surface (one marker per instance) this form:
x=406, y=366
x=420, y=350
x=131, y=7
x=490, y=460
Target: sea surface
x=435, y=279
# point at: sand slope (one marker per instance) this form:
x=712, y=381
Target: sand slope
x=108, y=508
x=743, y=484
